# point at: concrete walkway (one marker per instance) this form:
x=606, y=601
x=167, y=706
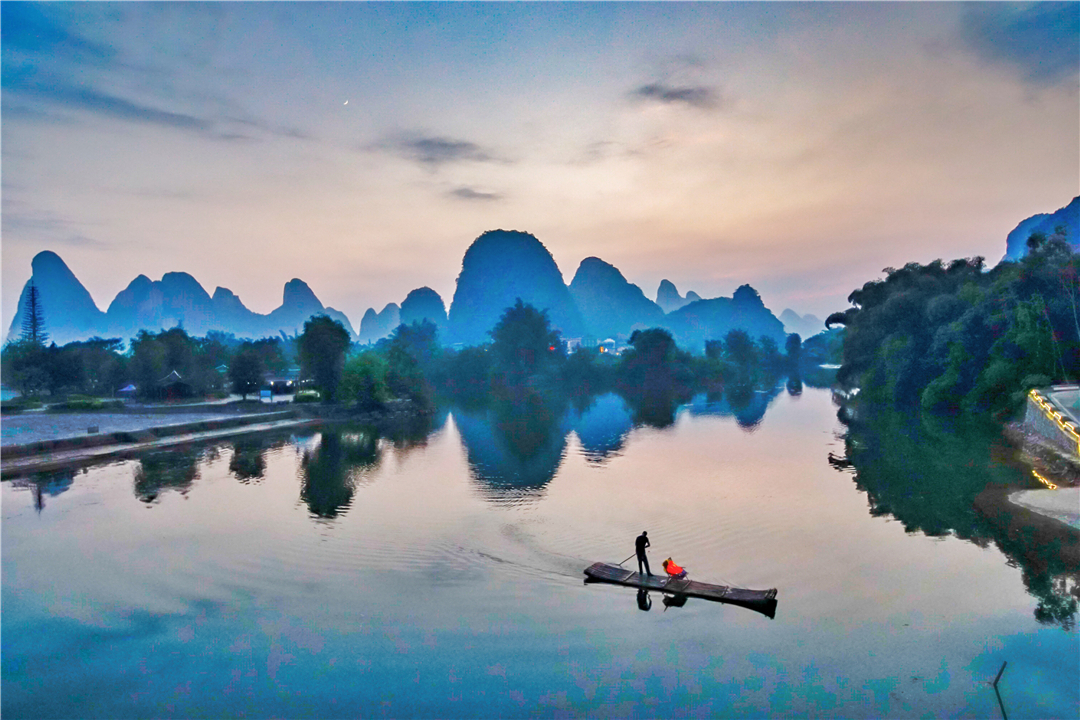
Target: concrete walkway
x=68, y=454
x=1062, y=504
x=27, y=428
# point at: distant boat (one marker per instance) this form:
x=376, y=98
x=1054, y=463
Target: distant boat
x=762, y=601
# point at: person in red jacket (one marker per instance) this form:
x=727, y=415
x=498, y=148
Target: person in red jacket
x=676, y=572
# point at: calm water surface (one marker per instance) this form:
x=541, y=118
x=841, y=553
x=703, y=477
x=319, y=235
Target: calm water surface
x=338, y=574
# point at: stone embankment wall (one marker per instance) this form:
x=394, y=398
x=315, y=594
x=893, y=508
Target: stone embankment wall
x=1051, y=414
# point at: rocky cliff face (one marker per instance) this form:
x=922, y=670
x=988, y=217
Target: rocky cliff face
x=70, y=313
x=176, y=299
x=609, y=304
x=1046, y=223
x=805, y=325
x=499, y=267
x=669, y=299
x=424, y=304
x=377, y=325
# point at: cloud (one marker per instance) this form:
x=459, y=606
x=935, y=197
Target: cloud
x=59, y=93
x=23, y=26
x=435, y=151
x=81, y=241
x=697, y=96
x=468, y=193
x=24, y=224
x=45, y=73
x=1041, y=40
x=81, y=97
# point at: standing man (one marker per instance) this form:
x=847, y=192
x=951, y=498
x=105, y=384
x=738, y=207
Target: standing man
x=640, y=544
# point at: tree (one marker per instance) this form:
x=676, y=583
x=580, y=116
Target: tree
x=246, y=370
x=364, y=380
x=793, y=348
x=412, y=352
x=25, y=366
x=740, y=348
x=523, y=342
x=322, y=354
x=33, y=326
x=653, y=347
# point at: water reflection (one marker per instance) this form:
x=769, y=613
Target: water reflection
x=248, y=461
x=164, y=470
x=942, y=477
x=514, y=447
x=330, y=473
x=644, y=602
x=745, y=403
x=46, y=484
x=676, y=601
x=602, y=426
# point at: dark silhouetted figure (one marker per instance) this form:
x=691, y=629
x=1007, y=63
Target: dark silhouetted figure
x=640, y=544
x=644, y=602
x=674, y=601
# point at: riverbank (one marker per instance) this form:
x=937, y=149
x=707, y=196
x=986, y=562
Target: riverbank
x=1062, y=505
x=127, y=435
x=43, y=441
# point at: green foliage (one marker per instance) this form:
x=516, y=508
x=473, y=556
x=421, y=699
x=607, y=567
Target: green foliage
x=307, y=396
x=654, y=375
x=740, y=349
x=155, y=356
x=85, y=402
x=793, y=349
x=322, y=354
x=246, y=370
x=410, y=360
x=955, y=338
x=587, y=371
x=25, y=368
x=33, y=325
x=364, y=380
x=523, y=343
x=466, y=373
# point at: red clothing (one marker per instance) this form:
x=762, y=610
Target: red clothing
x=672, y=568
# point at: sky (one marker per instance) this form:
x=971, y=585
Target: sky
x=361, y=147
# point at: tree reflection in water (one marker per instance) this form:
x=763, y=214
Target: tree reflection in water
x=330, y=473
x=930, y=474
x=746, y=404
x=655, y=405
x=248, y=461
x=158, y=471
x=515, y=446
x=46, y=484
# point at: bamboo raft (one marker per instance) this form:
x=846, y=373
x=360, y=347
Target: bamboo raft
x=762, y=601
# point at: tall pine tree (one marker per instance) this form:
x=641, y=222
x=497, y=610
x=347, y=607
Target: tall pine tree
x=33, y=325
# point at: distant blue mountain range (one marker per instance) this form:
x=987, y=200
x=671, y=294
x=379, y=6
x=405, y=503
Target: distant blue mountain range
x=497, y=268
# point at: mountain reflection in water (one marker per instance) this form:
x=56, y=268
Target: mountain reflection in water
x=415, y=572
x=514, y=449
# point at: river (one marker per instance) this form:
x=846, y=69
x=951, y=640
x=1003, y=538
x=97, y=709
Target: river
x=439, y=573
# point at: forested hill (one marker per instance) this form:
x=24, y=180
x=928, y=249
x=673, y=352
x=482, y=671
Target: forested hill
x=952, y=337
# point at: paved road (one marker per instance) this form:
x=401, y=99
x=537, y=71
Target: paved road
x=34, y=427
